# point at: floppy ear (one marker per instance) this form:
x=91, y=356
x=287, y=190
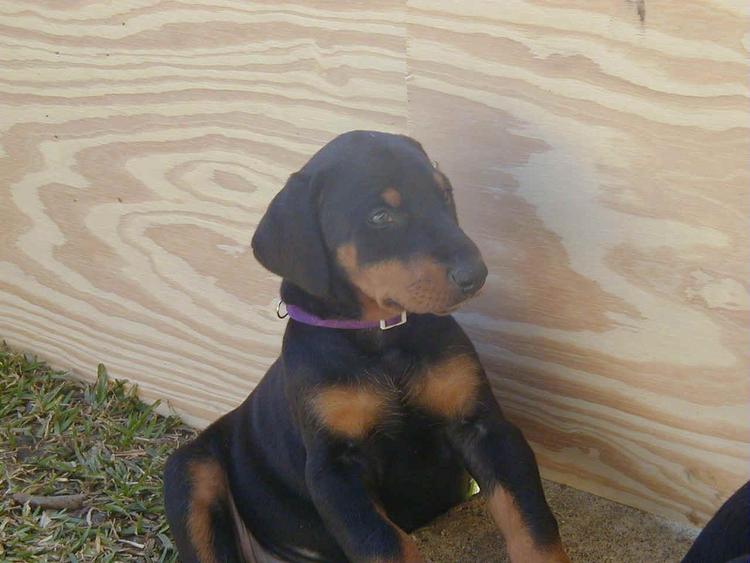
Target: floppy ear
x=288, y=240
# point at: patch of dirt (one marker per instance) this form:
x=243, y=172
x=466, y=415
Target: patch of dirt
x=593, y=529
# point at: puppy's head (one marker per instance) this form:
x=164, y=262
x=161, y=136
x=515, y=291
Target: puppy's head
x=370, y=210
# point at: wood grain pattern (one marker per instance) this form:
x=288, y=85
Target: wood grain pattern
x=599, y=155
x=142, y=142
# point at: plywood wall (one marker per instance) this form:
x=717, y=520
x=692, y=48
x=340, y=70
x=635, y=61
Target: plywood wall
x=599, y=152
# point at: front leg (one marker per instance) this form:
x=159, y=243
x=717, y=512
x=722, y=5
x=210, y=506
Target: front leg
x=340, y=418
x=503, y=464
x=333, y=476
x=454, y=387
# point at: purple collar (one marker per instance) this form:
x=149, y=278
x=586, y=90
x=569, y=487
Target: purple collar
x=302, y=316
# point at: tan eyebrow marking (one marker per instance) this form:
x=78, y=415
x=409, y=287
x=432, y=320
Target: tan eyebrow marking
x=392, y=197
x=349, y=411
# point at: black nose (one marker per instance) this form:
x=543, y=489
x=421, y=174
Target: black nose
x=469, y=277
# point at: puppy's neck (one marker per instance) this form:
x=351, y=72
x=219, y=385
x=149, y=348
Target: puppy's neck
x=349, y=304
x=345, y=306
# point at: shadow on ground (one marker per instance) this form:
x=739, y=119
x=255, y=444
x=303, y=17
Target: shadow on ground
x=594, y=530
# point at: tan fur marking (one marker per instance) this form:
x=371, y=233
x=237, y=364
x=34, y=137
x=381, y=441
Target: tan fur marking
x=350, y=411
x=347, y=257
x=392, y=197
x=521, y=546
x=409, y=550
x=449, y=387
x=208, y=484
x=420, y=285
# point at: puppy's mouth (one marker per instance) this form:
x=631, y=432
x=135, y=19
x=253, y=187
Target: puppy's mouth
x=450, y=310
x=456, y=306
x=395, y=306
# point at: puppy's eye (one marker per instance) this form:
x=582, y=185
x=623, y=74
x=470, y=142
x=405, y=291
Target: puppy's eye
x=380, y=218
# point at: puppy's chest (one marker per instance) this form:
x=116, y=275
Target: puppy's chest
x=382, y=395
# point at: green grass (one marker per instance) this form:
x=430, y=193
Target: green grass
x=60, y=436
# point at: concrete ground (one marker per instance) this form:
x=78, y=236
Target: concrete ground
x=594, y=530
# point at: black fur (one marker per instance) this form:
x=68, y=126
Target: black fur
x=727, y=535
x=288, y=241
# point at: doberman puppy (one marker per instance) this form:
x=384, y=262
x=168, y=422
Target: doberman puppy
x=366, y=427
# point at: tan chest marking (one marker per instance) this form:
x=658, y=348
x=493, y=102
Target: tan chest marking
x=350, y=411
x=392, y=197
x=448, y=388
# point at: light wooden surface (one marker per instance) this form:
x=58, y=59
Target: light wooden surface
x=142, y=142
x=599, y=152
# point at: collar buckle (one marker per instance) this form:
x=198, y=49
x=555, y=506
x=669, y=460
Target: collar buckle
x=385, y=326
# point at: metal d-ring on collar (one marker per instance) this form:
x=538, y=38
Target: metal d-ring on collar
x=278, y=310
x=385, y=324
